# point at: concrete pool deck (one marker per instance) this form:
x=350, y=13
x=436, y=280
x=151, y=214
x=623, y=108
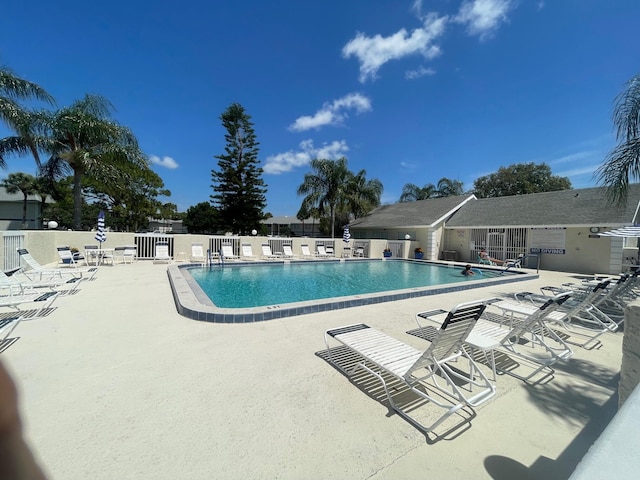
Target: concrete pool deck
x=115, y=383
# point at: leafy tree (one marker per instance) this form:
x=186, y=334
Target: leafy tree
x=449, y=188
x=23, y=183
x=334, y=190
x=624, y=160
x=519, y=179
x=325, y=187
x=15, y=117
x=44, y=188
x=239, y=189
x=411, y=192
x=82, y=139
x=361, y=195
x=302, y=215
x=131, y=197
x=201, y=218
x=445, y=188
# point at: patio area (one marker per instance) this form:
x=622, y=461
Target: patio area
x=115, y=383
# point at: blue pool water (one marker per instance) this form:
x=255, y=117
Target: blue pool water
x=256, y=285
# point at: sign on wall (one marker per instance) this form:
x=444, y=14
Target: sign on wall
x=548, y=240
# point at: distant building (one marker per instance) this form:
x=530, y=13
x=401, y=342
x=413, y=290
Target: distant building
x=555, y=230
x=285, y=226
x=161, y=225
x=11, y=211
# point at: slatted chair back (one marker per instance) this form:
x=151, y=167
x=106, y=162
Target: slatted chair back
x=551, y=305
x=287, y=250
x=451, y=335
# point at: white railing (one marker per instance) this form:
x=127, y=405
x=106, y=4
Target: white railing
x=12, y=241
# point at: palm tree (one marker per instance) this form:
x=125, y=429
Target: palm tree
x=624, y=160
x=20, y=121
x=20, y=182
x=83, y=140
x=412, y=192
x=325, y=188
x=362, y=195
x=449, y=188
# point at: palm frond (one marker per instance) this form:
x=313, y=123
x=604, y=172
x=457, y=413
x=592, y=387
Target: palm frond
x=621, y=164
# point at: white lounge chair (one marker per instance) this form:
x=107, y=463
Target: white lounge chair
x=359, y=252
x=580, y=316
x=130, y=254
x=247, y=252
x=161, y=254
x=197, y=253
x=329, y=251
x=67, y=257
x=321, y=251
x=306, y=252
x=18, y=283
x=227, y=252
x=8, y=325
x=38, y=272
x=421, y=371
x=118, y=254
x=287, y=251
x=267, y=253
x=38, y=301
x=527, y=339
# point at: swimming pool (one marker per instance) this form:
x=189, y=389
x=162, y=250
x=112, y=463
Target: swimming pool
x=256, y=291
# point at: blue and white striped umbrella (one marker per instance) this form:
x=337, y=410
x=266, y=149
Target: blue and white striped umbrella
x=101, y=235
x=346, y=236
x=630, y=231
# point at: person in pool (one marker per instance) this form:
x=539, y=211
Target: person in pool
x=467, y=270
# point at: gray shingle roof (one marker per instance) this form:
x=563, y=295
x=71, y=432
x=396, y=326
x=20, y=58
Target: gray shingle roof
x=585, y=207
x=412, y=214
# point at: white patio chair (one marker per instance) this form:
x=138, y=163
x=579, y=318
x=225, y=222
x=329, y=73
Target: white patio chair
x=306, y=252
x=39, y=273
x=421, y=371
x=227, y=252
x=161, y=254
x=247, y=252
x=527, y=339
x=130, y=253
x=267, y=253
x=197, y=253
x=287, y=251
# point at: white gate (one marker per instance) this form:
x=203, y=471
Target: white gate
x=11, y=242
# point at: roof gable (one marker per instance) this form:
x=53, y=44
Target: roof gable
x=421, y=213
x=586, y=206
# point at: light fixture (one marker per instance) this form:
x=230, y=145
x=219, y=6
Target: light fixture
x=52, y=225
x=407, y=237
x=254, y=232
x=594, y=229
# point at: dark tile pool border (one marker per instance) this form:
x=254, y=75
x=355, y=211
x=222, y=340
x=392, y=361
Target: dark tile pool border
x=193, y=303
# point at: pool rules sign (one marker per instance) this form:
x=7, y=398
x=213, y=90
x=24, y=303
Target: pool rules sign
x=548, y=240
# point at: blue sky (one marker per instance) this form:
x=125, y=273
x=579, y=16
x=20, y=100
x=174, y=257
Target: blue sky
x=409, y=91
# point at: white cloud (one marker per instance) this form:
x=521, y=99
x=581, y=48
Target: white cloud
x=576, y=172
x=574, y=157
x=419, y=72
x=166, y=162
x=482, y=17
x=332, y=113
x=373, y=52
x=287, y=161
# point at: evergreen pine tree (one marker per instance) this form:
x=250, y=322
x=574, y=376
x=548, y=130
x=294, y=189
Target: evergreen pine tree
x=239, y=191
